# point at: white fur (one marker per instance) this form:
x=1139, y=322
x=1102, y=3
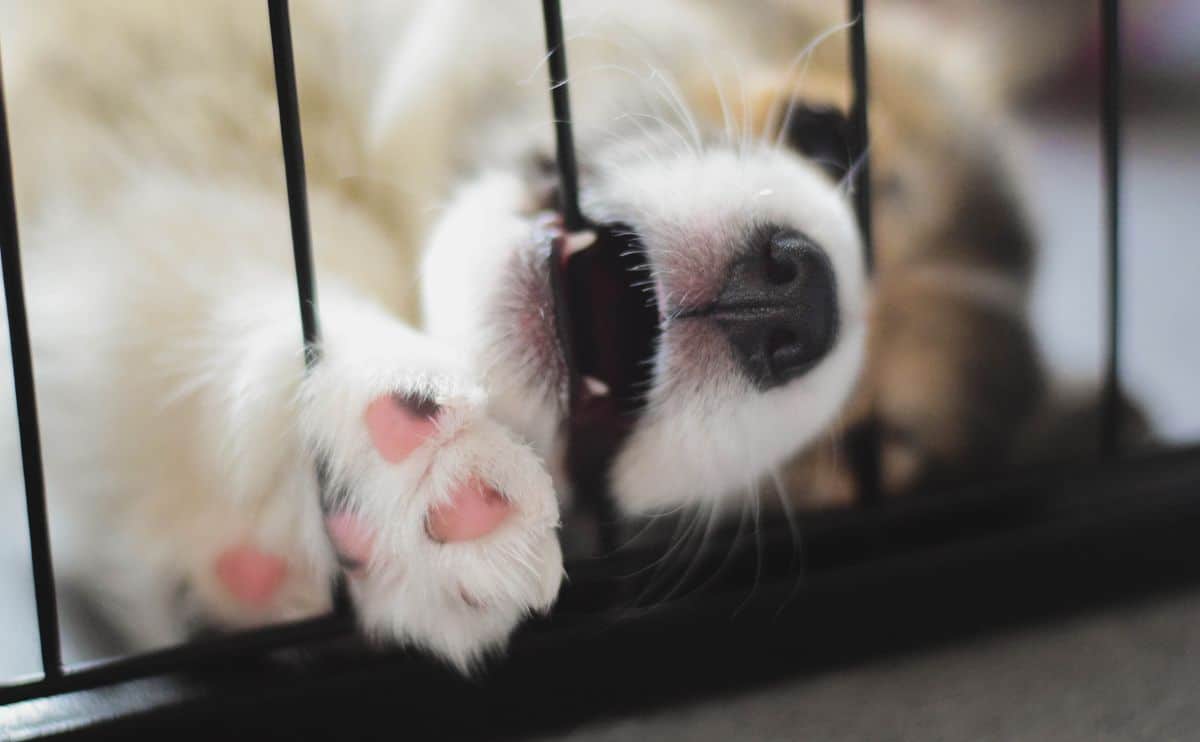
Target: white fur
x=178, y=417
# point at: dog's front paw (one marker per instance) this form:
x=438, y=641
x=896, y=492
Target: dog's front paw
x=444, y=524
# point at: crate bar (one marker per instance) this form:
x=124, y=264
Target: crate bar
x=860, y=141
x=190, y=656
x=1110, y=126
x=866, y=443
x=568, y=171
x=297, y=194
x=293, y=163
x=27, y=420
x=1002, y=517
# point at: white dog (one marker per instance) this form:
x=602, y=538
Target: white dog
x=182, y=433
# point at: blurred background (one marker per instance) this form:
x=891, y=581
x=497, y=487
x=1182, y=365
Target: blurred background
x=1055, y=49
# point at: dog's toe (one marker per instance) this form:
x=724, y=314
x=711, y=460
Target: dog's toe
x=474, y=510
x=445, y=524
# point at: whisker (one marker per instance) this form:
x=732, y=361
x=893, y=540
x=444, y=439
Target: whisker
x=787, y=89
x=698, y=556
x=846, y=184
x=756, y=508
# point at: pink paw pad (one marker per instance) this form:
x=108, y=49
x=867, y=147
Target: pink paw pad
x=353, y=540
x=251, y=575
x=399, y=424
x=474, y=510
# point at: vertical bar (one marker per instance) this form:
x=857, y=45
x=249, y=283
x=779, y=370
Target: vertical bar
x=297, y=194
x=1110, y=124
x=860, y=125
x=568, y=193
x=293, y=163
x=864, y=446
x=592, y=489
x=27, y=420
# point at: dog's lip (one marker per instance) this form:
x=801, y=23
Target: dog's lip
x=608, y=333
x=560, y=246
x=600, y=294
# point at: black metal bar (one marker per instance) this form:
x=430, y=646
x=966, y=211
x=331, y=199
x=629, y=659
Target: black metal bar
x=27, y=419
x=297, y=192
x=861, y=129
x=568, y=171
x=865, y=443
x=997, y=520
x=293, y=163
x=1110, y=102
x=190, y=656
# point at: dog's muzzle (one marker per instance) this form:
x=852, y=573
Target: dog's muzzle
x=778, y=307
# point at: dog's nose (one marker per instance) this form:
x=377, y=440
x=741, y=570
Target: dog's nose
x=779, y=306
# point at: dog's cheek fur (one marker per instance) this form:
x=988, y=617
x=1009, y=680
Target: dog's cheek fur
x=485, y=288
x=958, y=375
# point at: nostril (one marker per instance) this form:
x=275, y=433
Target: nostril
x=779, y=272
x=778, y=306
x=788, y=354
x=780, y=342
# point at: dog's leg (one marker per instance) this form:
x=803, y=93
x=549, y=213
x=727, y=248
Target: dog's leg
x=443, y=523
x=186, y=434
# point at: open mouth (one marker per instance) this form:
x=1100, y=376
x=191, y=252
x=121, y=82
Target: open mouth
x=607, y=319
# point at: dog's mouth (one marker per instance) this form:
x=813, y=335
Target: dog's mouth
x=607, y=320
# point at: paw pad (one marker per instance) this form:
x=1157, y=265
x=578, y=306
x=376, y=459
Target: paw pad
x=399, y=424
x=475, y=509
x=251, y=575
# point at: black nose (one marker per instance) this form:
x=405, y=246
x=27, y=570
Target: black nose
x=779, y=306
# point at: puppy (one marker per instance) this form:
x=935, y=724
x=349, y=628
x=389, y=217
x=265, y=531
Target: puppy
x=183, y=434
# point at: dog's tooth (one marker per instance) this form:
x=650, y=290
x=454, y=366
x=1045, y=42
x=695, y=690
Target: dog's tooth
x=595, y=387
x=580, y=241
